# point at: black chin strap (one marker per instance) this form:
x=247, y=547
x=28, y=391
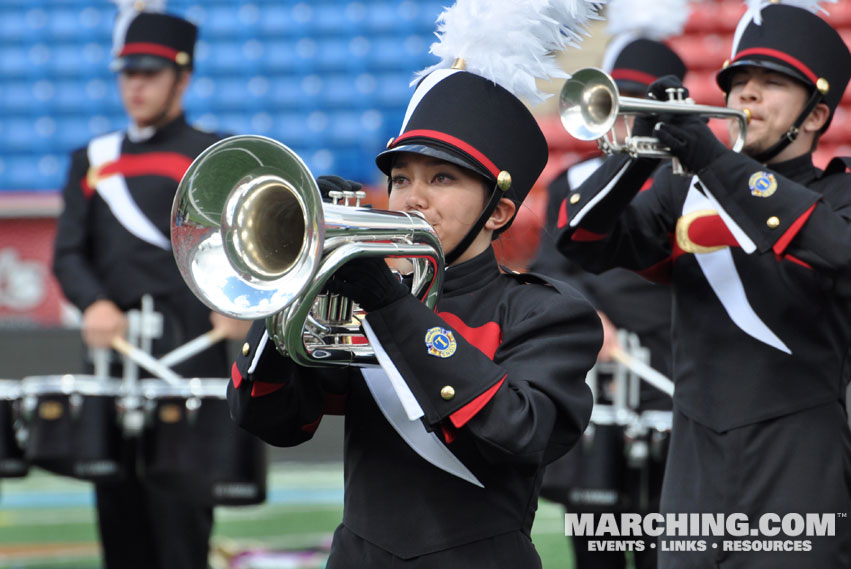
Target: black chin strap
x=459, y=249
x=791, y=134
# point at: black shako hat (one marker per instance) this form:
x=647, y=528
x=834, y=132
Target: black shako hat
x=634, y=63
x=154, y=40
x=797, y=43
x=471, y=121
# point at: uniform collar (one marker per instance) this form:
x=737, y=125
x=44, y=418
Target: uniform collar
x=799, y=169
x=146, y=134
x=472, y=274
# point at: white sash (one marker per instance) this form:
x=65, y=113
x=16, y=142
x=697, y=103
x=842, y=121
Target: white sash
x=113, y=189
x=403, y=412
x=720, y=271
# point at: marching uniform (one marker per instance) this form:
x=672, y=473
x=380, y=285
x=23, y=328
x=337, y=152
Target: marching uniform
x=112, y=243
x=505, y=397
x=758, y=262
x=631, y=303
x=484, y=390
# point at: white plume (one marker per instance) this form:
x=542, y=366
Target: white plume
x=754, y=13
x=654, y=19
x=511, y=42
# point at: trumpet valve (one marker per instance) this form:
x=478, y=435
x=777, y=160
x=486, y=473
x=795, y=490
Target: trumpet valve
x=347, y=198
x=333, y=309
x=676, y=94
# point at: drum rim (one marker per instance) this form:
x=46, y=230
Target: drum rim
x=66, y=384
x=10, y=389
x=200, y=387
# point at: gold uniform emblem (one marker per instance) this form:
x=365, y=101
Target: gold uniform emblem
x=762, y=184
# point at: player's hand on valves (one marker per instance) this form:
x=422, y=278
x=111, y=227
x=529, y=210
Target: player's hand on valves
x=691, y=141
x=103, y=321
x=369, y=282
x=658, y=90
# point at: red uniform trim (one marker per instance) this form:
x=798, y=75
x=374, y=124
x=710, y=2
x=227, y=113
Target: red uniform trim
x=793, y=230
x=777, y=54
x=648, y=183
x=453, y=141
x=448, y=433
x=633, y=75
x=486, y=337
x=148, y=48
x=711, y=231
x=658, y=273
x=235, y=376
x=585, y=235
x=311, y=427
x=796, y=260
x=261, y=388
x=561, y=220
x=460, y=417
x=335, y=403
x=167, y=164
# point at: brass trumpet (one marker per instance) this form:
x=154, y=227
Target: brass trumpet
x=253, y=239
x=589, y=105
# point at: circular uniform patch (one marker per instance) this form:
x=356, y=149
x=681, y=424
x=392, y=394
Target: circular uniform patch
x=762, y=184
x=440, y=342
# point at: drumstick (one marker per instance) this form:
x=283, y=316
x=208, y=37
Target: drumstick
x=193, y=347
x=644, y=371
x=146, y=361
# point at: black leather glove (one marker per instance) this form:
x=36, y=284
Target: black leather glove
x=329, y=184
x=658, y=89
x=643, y=124
x=691, y=141
x=369, y=282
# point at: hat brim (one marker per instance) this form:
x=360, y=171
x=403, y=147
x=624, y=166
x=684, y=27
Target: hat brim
x=384, y=160
x=725, y=76
x=139, y=62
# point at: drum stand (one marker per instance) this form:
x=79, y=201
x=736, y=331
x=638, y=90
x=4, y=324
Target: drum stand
x=143, y=327
x=643, y=431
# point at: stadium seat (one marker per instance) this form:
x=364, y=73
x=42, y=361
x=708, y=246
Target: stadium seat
x=703, y=51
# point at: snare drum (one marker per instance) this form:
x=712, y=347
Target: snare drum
x=72, y=427
x=601, y=482
x=12, y=461
x=648, y=441
x=191, y=445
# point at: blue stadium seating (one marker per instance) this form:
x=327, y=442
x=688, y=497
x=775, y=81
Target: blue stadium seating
x=329, y=78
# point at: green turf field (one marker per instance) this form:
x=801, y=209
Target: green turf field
x=47, y=521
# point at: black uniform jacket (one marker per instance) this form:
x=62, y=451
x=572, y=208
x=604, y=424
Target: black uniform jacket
x=631, y=302
x=794, y=280
x=520, y=400
x=96, y=256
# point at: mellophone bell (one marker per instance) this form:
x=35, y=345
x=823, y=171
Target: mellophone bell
x=182, y=437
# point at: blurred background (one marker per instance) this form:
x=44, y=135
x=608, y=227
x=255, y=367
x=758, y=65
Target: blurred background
x=330, y=79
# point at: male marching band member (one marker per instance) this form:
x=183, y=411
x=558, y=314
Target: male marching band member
x=497, y=370
x=112, y=248
x=756, y=249
x=635, y=57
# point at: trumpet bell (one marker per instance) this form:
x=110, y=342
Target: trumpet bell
x=588, y=104
x=245, y=227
